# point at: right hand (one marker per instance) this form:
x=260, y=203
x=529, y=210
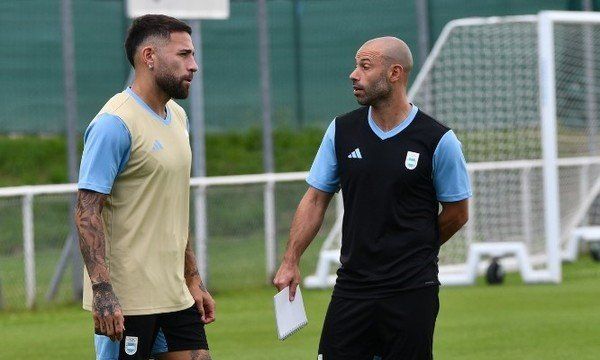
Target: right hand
x=107, y=313
x=288, y=275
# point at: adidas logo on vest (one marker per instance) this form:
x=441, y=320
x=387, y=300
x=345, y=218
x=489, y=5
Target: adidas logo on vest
x=355, y=154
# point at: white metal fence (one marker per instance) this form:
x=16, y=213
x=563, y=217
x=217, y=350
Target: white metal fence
x=239, y=239
x=239, y=231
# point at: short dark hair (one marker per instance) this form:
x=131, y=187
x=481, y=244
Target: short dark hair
x=151, y=25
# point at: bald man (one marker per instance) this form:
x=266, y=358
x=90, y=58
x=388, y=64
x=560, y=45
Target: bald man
x=395, y=165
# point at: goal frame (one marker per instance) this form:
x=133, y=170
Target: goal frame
x=519, y=257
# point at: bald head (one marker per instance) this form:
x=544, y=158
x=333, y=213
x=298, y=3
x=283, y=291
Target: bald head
x=391, y=49
x=382, y=70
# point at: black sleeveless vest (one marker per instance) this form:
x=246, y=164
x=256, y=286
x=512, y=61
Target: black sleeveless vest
x=390, y=235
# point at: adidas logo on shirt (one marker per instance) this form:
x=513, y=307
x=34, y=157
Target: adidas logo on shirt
x=355, y=154
x=157, y=146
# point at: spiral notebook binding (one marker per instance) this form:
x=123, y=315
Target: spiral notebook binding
x=294, y=330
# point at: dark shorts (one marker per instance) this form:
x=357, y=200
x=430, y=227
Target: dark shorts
x=398, y=327
x=147, y=335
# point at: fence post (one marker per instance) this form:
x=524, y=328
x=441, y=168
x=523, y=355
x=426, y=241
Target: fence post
x=299, y=88
x=70, y=83
x=28, y=250
x=270, y=230
x=198, y=138
x=61, y=267
x=423, y=32
x=268, y=161
x=200, y=232
x=471, y=226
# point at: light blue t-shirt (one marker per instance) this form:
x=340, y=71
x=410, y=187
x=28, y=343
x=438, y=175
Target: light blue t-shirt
x=107, y=147
x=450, y=176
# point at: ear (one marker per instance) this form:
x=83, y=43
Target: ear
x=148, y=56
x=396, y=72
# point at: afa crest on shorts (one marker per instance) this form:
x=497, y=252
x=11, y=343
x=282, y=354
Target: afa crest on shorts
x=131, y=344
x=412, y=159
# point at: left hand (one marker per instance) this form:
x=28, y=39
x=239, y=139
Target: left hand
x=204, y=303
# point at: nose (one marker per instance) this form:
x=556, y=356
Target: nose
x=354, y=75
x=193, y=65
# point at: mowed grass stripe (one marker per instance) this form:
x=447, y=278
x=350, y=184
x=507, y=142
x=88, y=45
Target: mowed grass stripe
x=512, y=321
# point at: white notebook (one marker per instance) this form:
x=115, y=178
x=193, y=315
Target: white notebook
x=290, y=316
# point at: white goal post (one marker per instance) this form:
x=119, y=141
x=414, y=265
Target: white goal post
x=521, y=93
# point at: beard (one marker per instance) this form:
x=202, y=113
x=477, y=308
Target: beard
x=374, y=94
x=172, y=86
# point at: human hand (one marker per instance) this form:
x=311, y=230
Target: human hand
x=106, y=311
x=288, y=275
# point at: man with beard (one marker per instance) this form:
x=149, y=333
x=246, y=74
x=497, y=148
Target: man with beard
x=395, y=165
x=142, y=283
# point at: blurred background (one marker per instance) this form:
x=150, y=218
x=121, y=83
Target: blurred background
x=312, y=47
x=51, y=50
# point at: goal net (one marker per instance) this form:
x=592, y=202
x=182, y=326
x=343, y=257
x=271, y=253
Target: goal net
x=521, y=94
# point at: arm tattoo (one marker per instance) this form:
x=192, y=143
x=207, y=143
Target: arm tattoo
x=105, y=300
x=199, y=355
x=191, y=269
x=91, y=241
x=91, y=234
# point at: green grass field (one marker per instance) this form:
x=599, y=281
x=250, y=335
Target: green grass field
x=512, y=321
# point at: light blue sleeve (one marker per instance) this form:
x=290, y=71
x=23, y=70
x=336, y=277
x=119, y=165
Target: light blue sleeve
x=450, y=176
x=106, y=150
x=105, y=347
x=323, y=173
